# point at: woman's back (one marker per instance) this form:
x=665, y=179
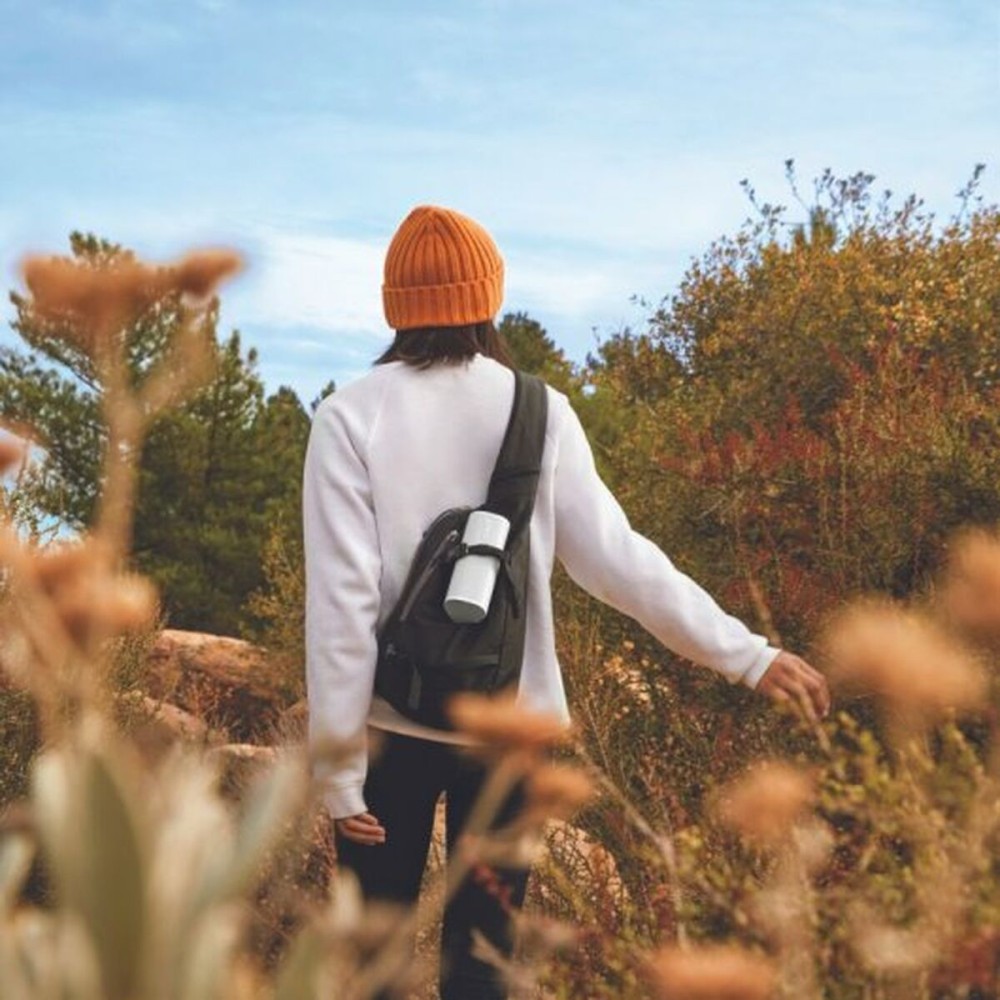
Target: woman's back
x=429, y=439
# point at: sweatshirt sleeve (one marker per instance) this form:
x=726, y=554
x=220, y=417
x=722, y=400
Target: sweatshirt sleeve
x=343, y=569
x=624, y=569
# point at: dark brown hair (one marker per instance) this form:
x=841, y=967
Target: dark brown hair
x=427, y=346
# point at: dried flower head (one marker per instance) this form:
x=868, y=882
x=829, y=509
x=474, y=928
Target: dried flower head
x=904, y=657
x=12, y=453
x=895, y=950
x=500, y=724
x=814, y=842
x=55, y=566
x=971, y=590
x=91, y=598
x=711, y=972
x=200, y=272
x=95, y=301
x=765, y=803
x=128, y=603
x=557, y=791
x=517, y=845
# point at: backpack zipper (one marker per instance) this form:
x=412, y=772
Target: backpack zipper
x=439, y=553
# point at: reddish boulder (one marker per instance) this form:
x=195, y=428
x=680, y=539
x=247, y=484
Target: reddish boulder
x=230, y=684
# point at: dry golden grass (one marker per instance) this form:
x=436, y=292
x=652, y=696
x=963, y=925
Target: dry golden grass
x=766, y=802
x=905, y=658
x=556, y=791
x=971, y=585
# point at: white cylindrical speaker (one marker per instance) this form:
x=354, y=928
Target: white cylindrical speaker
x=474, y=576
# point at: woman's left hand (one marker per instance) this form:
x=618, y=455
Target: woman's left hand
x=790, y=680
x=363, y=828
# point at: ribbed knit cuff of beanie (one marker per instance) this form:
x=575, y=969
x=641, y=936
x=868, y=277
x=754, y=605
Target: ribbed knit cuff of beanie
x=441, y=269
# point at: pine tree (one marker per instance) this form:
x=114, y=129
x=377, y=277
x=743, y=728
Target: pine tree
x=212, y=475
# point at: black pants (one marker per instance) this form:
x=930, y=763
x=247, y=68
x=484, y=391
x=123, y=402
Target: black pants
x=404, y=783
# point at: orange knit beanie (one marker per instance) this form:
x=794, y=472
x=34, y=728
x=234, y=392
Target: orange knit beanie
x=441, y=269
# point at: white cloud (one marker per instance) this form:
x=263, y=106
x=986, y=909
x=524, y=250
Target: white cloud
x=580, y=290
x=319, y=282
x=330, y=283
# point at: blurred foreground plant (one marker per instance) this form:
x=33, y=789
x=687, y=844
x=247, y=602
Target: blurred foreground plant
x=65, y=601
x=147, y=867
x=152, y=870
x=149, y=871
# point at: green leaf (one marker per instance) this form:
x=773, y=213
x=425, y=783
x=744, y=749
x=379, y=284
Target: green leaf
x=92, y=842
x=299, y=973
x=209, y=959
x=16, y=852
x=270, y=805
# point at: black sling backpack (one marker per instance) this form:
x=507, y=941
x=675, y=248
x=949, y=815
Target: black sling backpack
x=423, y=656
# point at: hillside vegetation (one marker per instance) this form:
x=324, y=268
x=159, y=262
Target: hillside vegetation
x=809, y=426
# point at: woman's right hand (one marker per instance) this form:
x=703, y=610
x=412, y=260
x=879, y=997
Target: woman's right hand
x=363, y=828
x=790, y=679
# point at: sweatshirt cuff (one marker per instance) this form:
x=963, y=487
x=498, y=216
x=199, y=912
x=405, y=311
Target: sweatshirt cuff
x=752, y=675
x=345, y=800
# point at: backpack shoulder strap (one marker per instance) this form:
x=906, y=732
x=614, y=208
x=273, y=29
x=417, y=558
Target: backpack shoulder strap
x=515, y=475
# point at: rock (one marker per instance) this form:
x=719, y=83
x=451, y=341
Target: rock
x=155, y=726
x=239, y=763
x=228, y=683
x=245, y=753
x=175, y=723
x=240, y=754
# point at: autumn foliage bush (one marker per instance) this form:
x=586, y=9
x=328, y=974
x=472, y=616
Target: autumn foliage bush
x=812, y=420
x=815, y=410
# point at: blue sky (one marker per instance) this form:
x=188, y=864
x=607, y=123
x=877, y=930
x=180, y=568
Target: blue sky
x=602, y=142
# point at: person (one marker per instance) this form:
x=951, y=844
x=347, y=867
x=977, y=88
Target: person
x=389, y=451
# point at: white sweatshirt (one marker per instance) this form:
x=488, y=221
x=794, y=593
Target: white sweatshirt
x=390, y=451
